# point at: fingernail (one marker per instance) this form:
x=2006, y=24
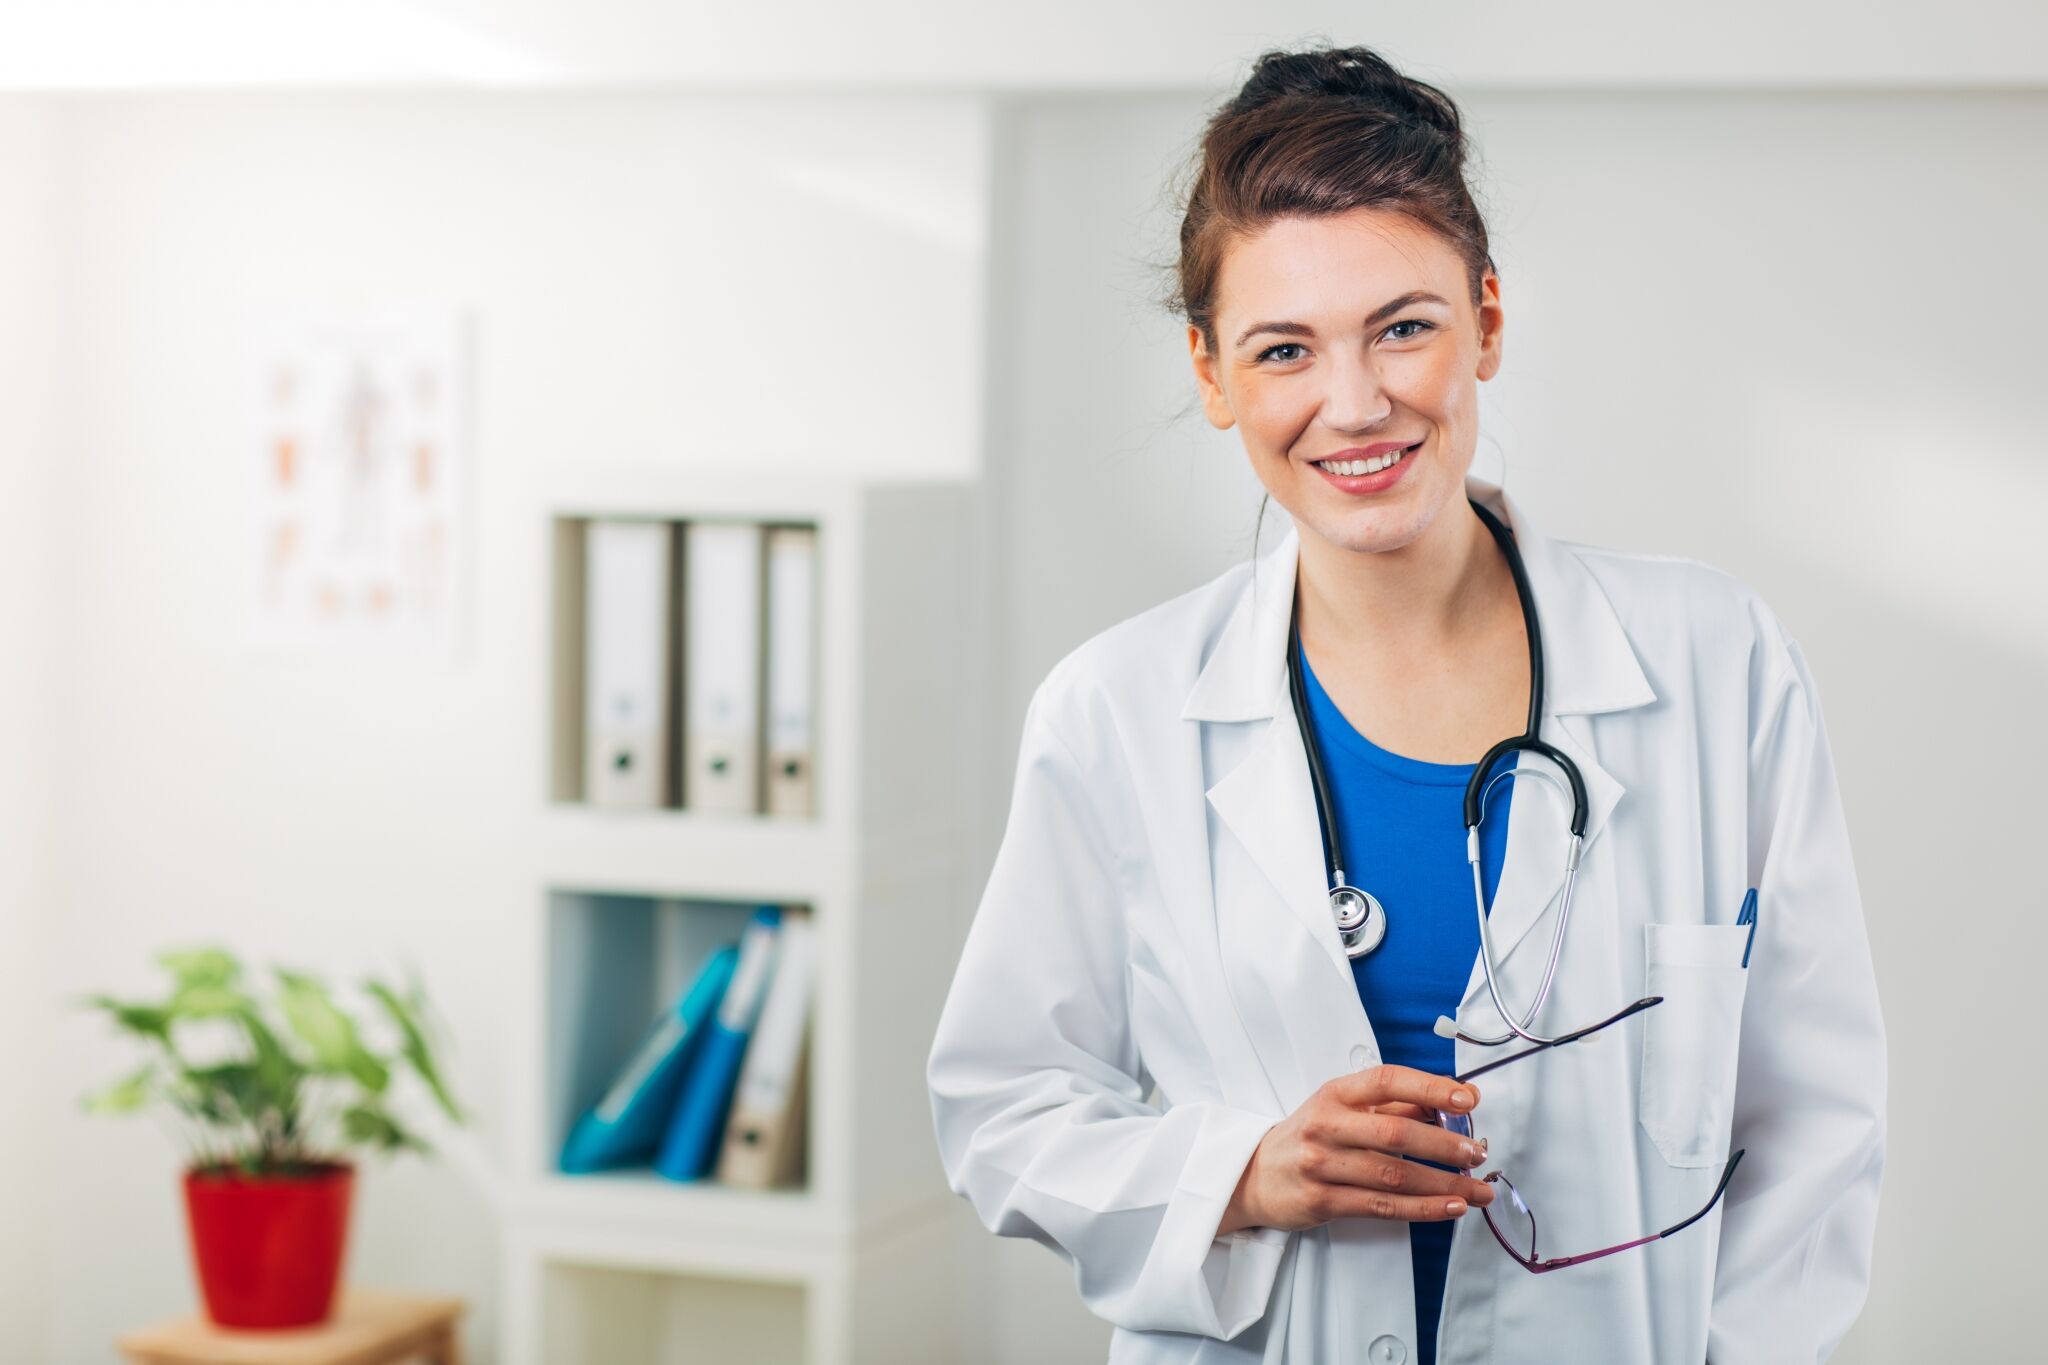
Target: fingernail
x=1461, y=1098
x=1474, y=1154
x=1455, y=1206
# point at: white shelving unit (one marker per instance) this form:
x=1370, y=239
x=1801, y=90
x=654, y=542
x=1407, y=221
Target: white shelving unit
x=628, y=1268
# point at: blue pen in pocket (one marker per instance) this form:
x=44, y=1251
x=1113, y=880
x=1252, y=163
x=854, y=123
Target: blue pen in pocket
x=1748, y=916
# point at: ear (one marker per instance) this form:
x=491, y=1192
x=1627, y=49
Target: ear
x=1214, y=404
x=1492, y=321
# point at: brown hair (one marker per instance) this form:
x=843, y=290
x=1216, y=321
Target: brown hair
x=1322, y=131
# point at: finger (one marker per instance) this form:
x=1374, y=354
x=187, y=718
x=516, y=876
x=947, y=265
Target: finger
x=1428, y=1118
x=1347, y=1201
x=1388, y=1083
x=1380, y=1171
x=1380, y=1131
x=1406, y=1110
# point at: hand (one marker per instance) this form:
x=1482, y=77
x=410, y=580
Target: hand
x=1340, y=1155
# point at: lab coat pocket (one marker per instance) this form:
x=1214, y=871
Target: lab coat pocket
x=1691, y=1040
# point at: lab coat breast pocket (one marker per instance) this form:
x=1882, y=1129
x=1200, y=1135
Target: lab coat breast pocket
x=1691, y=1040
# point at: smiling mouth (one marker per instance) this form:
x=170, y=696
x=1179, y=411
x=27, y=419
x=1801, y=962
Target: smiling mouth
x=1372, y=466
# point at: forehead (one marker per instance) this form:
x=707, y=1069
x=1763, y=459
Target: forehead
x=1343, y=265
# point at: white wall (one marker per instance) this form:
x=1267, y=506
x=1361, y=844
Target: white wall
x=26, y=231
x=1790, y=334
x=1794, y=335
x=781, y=284
x=1067, y=45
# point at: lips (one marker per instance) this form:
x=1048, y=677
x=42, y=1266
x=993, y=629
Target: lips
x=1352, y=465
x=1361, y=477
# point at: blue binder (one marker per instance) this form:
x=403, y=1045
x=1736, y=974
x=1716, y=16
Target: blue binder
x=625, y=1126
x=690, y=1150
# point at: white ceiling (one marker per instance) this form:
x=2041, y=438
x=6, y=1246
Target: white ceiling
x=1040, y=45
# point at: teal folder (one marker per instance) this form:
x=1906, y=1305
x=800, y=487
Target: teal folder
x=625, y=1127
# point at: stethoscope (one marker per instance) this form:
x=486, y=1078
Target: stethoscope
x=1361, y=919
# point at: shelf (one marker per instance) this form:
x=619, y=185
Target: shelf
x=637, y=1197
x=657, y=852
x=643, y=1317
x=634, y=1293
x=851, y=1267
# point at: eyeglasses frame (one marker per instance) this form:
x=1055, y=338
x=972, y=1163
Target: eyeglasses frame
x=1531, y=1262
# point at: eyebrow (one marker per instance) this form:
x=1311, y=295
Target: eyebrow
x=1379, y=314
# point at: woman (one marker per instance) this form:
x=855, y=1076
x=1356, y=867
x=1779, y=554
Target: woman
x=1244, y=1128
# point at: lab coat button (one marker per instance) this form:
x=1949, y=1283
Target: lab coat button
x=1388, y=1351
x=1358, y=1055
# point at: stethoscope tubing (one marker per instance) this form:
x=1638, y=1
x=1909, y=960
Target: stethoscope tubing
x=1476, y=792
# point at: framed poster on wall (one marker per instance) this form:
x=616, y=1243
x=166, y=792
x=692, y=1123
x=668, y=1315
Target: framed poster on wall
x=360, y=478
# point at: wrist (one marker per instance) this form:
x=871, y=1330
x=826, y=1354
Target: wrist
x=1238, y=1212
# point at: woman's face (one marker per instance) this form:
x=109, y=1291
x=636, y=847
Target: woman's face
x=1341, y=335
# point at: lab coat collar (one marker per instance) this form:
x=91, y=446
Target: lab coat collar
x=1588, y=664
x=1266, y=801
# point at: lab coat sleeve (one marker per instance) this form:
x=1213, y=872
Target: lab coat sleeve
x=1801, y=1211
x=1038, y=1092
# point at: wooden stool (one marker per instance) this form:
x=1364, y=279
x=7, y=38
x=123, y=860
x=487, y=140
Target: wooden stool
x=369, y=1327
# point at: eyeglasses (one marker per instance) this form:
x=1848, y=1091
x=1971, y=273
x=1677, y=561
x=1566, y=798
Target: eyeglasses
x=1509, y=1215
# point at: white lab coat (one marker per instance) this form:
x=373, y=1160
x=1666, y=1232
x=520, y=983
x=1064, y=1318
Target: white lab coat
x=1156, y=917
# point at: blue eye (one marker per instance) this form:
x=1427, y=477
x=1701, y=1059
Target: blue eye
x=1264, y=355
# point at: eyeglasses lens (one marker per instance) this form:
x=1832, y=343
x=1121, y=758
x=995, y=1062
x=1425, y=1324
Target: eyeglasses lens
x=1511, y=1217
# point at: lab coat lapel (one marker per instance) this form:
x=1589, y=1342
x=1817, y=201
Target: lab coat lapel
x=1286, y=967
x=1589, y=667
x=1268, y=803
x=1532, y=878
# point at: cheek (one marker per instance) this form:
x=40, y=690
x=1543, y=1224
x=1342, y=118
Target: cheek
x=1439, y=385
x=1271, y=415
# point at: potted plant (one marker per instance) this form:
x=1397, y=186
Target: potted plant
x=272, y=1089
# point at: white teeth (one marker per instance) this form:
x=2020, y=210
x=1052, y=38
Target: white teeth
x=1355, y=467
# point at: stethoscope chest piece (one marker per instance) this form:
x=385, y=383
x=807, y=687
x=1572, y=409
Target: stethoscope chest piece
x=1361, y=922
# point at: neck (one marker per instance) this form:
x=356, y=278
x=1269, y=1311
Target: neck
x=1426, y=597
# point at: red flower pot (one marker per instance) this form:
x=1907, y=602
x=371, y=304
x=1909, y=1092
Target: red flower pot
x=268, y=1248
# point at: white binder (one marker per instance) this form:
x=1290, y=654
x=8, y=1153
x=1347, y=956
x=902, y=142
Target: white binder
x=626, y=652
x=722, y=667
x=792, y=680
x=764, y=1136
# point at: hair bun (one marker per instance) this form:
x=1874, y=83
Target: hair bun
x=1350, y=73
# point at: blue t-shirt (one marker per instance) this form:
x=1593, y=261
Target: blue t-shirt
x=1402, y=825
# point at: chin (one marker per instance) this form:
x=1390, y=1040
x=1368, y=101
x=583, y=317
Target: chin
x=1368, y=529
x=1372, y=532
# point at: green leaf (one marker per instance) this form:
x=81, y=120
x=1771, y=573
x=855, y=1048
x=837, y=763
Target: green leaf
x=200, y=967
x=282, y=1072
x=206, y=1000
x=337, y=1050
x=233, y=1091
x=373, y=1127
x=150, y=1021
x=126, y=1095
x=415, y=1048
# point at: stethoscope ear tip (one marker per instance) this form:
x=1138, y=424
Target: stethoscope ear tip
x=1446, y=1027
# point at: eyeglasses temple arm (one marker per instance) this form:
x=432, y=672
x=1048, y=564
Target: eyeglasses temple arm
x=1498, y=1062
x=1560, y=1262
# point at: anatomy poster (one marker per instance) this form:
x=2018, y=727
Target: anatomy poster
x=361, y=472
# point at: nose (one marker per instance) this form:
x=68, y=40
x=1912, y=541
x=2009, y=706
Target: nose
x=1354, y=400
